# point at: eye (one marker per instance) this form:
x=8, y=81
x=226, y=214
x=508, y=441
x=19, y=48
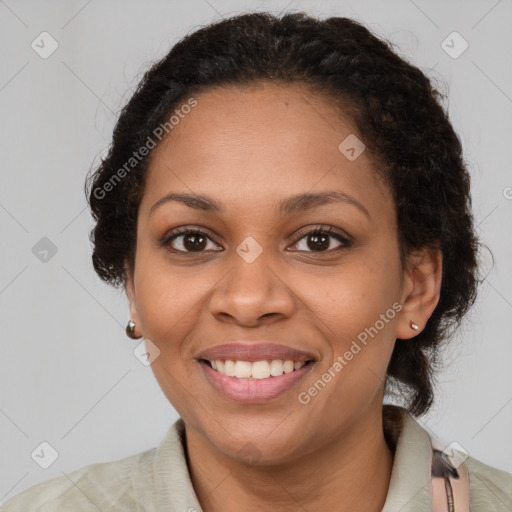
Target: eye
x=187, y=240
x=319, y=240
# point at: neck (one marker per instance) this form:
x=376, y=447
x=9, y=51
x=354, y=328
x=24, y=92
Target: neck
x=352, y=472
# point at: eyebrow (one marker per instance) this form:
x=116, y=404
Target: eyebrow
x=289, y=206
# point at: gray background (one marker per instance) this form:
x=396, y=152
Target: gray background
x=68, y=375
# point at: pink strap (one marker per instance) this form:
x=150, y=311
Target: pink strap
x=450, y=478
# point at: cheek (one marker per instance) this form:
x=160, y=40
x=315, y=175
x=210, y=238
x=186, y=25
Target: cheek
x=168, y=307
x=168, y=310
x=358, y=327
x=166, y=301
x=354, y=296
x=357, y=308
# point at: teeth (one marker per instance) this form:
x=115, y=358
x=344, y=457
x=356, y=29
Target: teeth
x=288, y=366
x=243, y=369
x=229, y=368
x=260, y=370
x=257, y=369
x=276, y=368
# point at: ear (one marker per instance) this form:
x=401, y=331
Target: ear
x=130, y=294
x=421, y=290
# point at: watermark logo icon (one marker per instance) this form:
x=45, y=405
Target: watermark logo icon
x=454, y=45
x=146, y=352
x=249, y=249
x=44, y=45
x=352, y=147
x=44, y=250
x=455, y=454
x=249, y=454
x=44, y=455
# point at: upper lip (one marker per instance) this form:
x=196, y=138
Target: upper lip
x=255, y=351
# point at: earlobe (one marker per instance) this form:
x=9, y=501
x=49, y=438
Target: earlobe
x=422, y=288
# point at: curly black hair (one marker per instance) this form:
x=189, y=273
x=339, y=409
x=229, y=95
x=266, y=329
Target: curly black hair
x=400, y=117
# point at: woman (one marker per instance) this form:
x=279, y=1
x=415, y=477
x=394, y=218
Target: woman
x=286, y=205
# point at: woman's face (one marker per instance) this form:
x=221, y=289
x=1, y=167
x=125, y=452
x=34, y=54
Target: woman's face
x=258, y=276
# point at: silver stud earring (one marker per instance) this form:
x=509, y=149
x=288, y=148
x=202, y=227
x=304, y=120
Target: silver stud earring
x=414, y=326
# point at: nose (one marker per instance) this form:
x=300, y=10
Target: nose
x=252, y=293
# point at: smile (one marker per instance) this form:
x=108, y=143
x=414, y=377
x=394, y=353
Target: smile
x=254, y=382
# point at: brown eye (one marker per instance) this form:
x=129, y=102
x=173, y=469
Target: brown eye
x=188, y=240
x=320, y=240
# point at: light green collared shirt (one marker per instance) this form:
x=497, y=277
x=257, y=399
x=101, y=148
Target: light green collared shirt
x=158, y=480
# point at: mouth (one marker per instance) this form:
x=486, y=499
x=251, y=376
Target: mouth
x=255, y=372
x=256, y=382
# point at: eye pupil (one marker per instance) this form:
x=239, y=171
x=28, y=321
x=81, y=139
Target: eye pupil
x=197, y=242
x=319, y=241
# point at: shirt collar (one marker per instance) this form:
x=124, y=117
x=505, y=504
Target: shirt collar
x=410, y=485
x=409, y=488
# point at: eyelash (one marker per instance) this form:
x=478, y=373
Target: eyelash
x=322, y=230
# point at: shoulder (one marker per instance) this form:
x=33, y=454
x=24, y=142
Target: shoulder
x=93, y=487
x=490, y=487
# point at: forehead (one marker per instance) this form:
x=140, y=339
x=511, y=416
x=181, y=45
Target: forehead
x=259, y=143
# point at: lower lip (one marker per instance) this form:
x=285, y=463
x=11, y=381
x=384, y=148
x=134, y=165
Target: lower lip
x=254, y=391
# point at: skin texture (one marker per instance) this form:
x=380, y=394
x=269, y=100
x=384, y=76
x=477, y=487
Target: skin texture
x=249, y=148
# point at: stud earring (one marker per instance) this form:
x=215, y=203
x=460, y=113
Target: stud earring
x=130, y=330
x=414, y=326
